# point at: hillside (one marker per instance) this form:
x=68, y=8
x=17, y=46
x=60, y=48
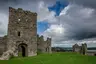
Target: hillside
x=54, y=58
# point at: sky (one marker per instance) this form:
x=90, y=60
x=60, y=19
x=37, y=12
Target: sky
x=67, y=22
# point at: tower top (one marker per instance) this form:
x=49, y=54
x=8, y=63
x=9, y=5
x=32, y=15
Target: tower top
x=20, y=10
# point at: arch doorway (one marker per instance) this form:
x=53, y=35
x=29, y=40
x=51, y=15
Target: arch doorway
x=22, y=50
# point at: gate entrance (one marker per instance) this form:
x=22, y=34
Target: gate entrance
x=22, y=50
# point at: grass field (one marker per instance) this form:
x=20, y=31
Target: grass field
x=54, y=58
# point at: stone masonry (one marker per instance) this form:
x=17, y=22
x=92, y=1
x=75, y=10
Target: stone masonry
x=22, y=34
x=43, y=46
x=81, y=49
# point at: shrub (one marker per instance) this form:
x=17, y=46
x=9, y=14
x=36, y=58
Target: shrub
x=39, y=51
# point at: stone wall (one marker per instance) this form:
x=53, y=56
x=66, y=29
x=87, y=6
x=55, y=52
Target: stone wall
x=3, y=41
x=76, y=48
x=22, y=28
x=22, y=32
x=43, y=46
x=81, y=49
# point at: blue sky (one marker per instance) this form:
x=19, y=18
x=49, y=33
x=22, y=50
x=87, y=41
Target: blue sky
x=57, y=8
x=77, y=19
x=41, y=27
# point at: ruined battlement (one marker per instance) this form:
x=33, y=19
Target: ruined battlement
x=48, y=39
x=81, y=49
x=42, y=38
x=22, y=35
x=44, y=46
x=20, y=10
x=22, y=30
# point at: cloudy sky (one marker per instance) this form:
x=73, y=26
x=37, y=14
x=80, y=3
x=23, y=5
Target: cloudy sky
x=66, y=21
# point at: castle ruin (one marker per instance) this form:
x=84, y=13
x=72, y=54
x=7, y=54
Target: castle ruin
x=22, y=35
x=81, y=49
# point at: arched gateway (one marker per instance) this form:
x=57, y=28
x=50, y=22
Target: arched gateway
x=22, y=32
x=22, y=50
x=22, y=35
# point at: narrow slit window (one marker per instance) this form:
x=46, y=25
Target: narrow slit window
x=18, y=33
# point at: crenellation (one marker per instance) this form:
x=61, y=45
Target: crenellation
x=44, y=46
x=22, y=34
x=42, y=38
x=11, y=9
x=20, y=9
x=81, y=49
x=49, y=39
x=21, y=30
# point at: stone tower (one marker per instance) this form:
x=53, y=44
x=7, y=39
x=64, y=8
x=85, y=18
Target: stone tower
x=22, y=32
x=42, y=45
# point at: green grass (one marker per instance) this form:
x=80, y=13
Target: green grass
x=54, y=58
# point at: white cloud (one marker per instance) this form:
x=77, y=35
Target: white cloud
x=34, y=6
x=44, y=14
x=85, y=3
x=3, y=24
x=54, y=31
x=63, y=12
x=86, y=12
x=75, y=20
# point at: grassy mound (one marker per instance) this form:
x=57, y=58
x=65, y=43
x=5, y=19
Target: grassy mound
x=54, y=58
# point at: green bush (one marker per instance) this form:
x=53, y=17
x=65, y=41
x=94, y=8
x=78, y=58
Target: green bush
x=20, y=54
x=39, y=51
